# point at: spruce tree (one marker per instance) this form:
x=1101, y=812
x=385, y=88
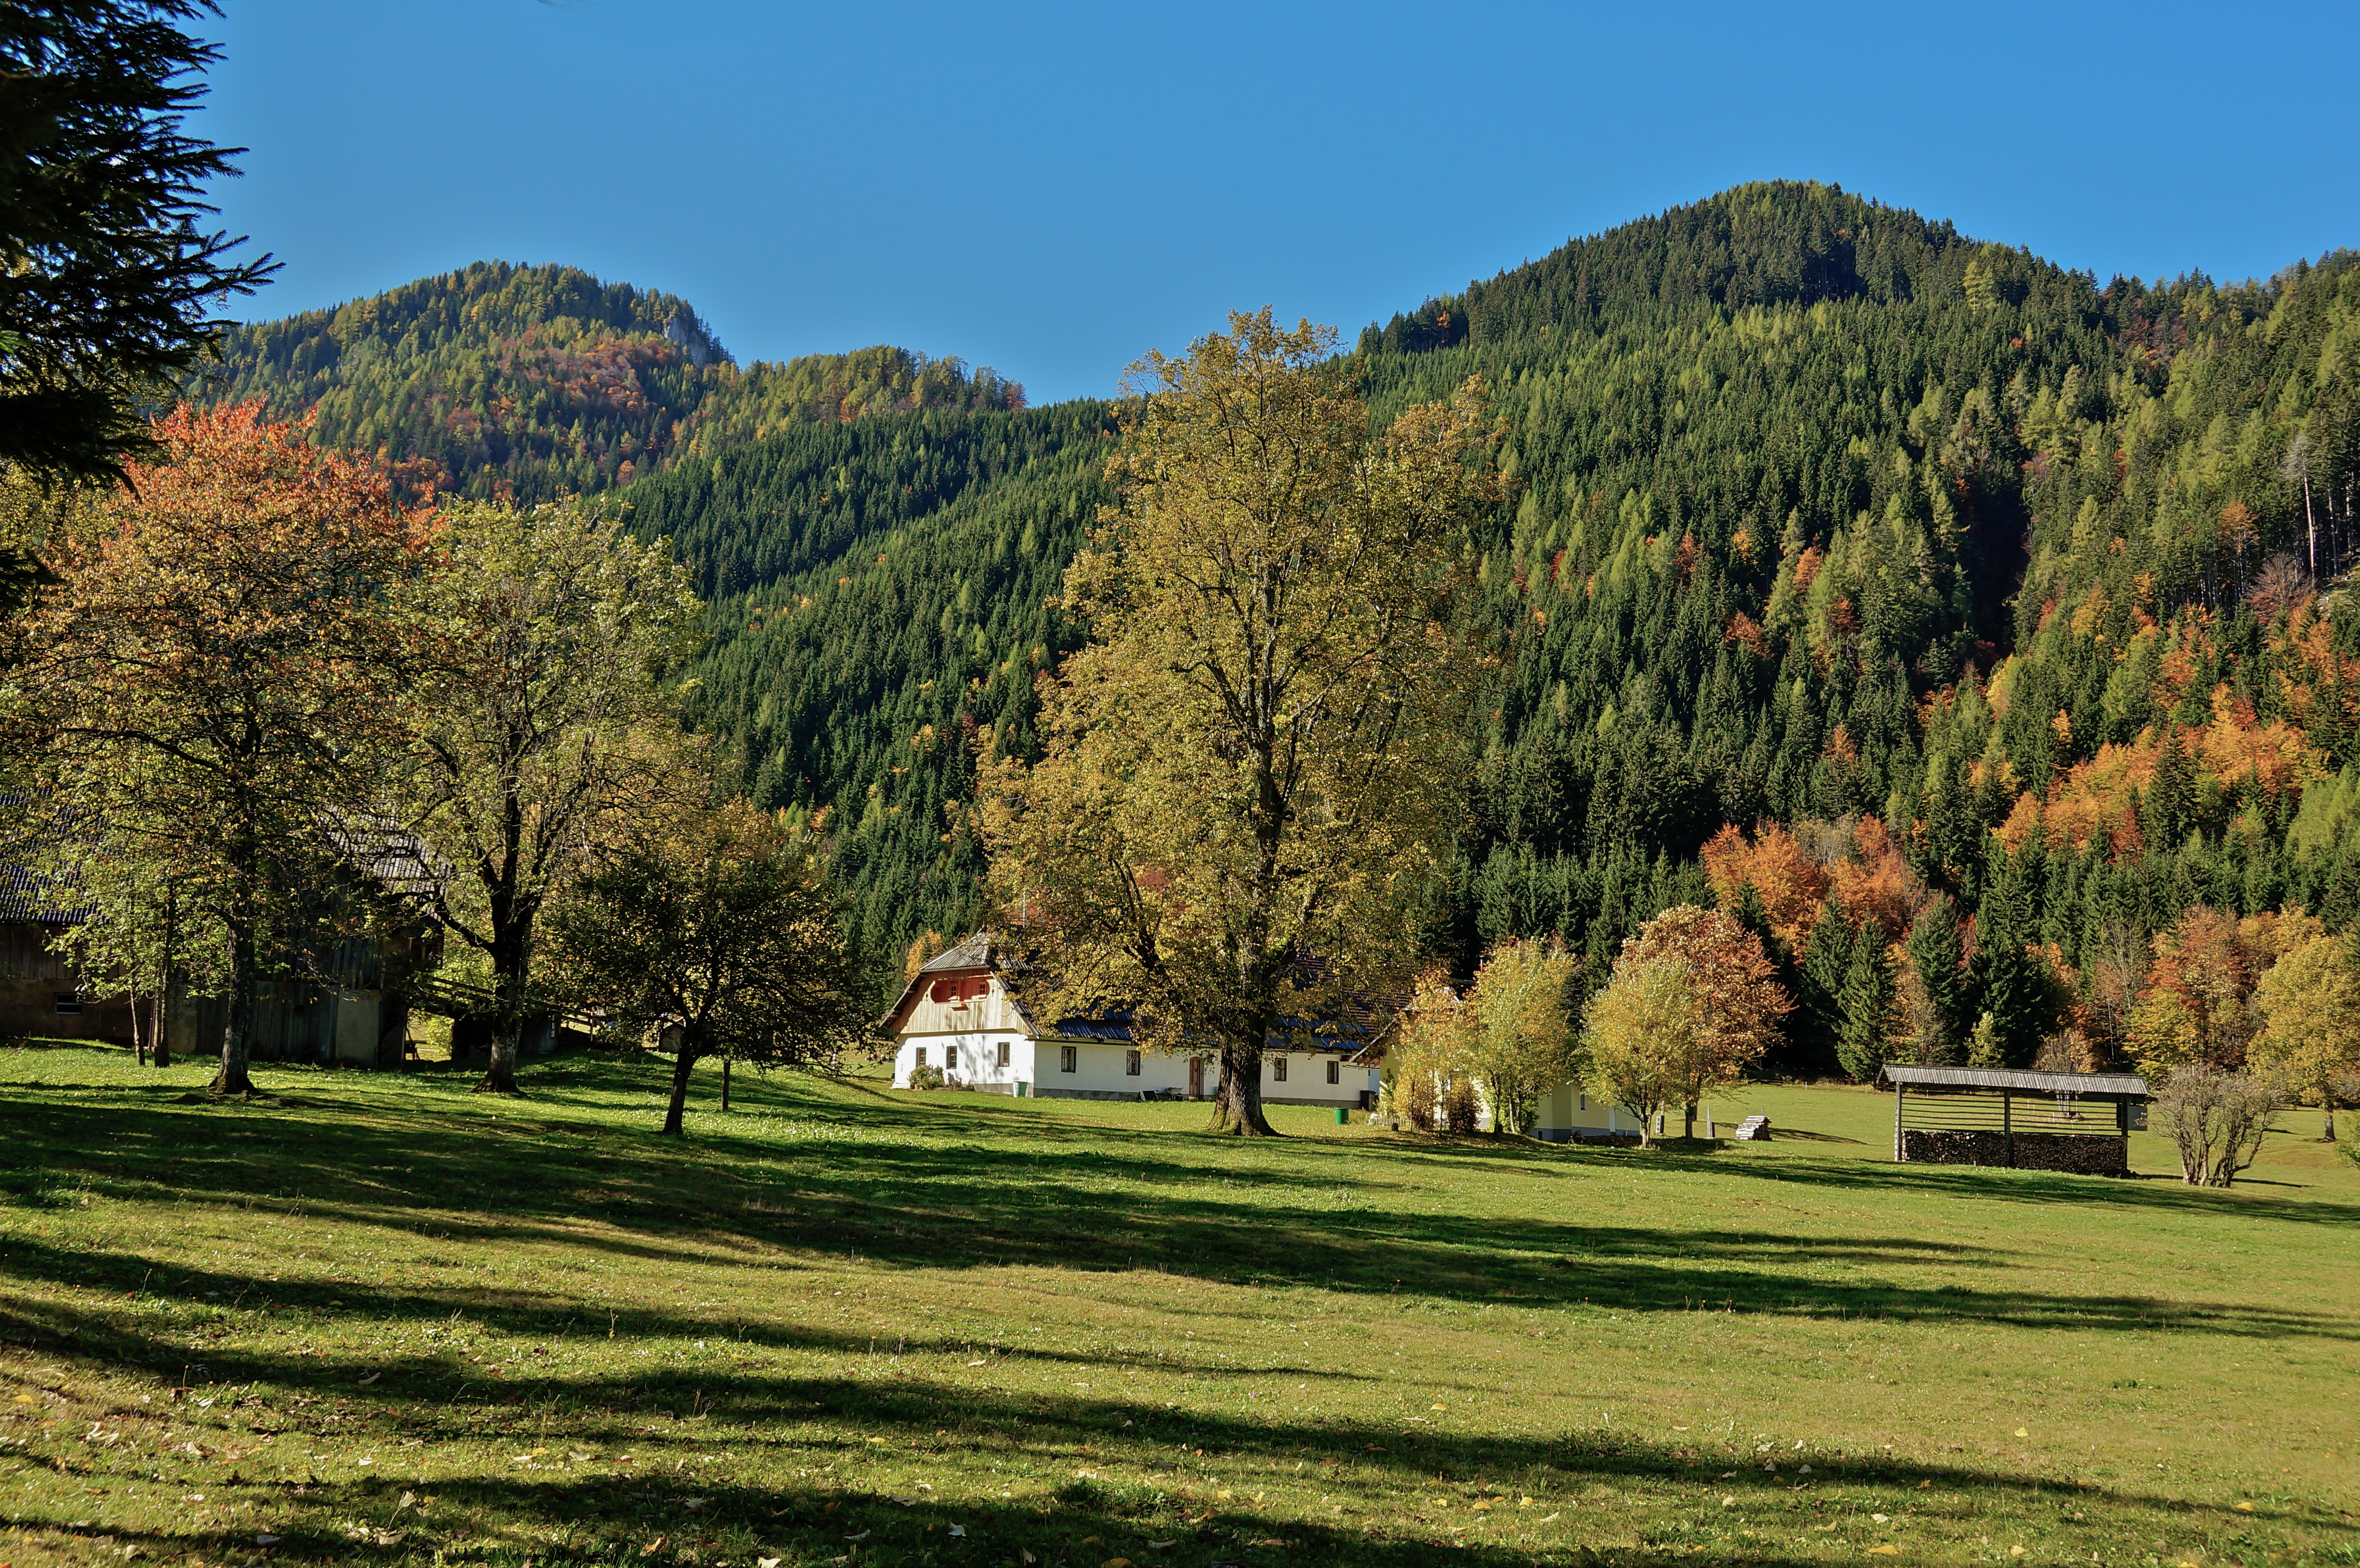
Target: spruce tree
x=2169, y=806
x=2010, y=984
x=1937, y=954
x=1866, y=998
x=1826, y=956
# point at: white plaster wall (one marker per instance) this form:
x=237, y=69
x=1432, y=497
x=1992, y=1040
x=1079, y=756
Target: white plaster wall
x=977, y=1053
x=1306, y=1079
x=1574, y=1108
x=1099, y=1069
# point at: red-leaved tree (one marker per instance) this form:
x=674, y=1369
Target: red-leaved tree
x=213, y=685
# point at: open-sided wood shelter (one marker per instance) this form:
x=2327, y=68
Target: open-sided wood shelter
x=2032, y=1121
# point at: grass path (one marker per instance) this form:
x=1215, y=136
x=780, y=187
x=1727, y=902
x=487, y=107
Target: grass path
x=379, y=1319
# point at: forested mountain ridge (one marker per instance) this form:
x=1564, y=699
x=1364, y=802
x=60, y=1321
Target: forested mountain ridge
x=1951, y=543
x=1858, y=569
x=531, y=381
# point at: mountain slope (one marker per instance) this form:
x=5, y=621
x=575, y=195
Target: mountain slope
x=535, y=381
x=879, y=592
x=1857, y=565
x=1833, y=516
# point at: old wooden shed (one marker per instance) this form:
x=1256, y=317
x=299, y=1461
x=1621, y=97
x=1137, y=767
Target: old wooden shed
x=2032, y=1121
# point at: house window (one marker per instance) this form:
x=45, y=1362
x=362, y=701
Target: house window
x=922, y=1056
x=1278, y=1070
x=1068, y=1058
x=1130, y=1062
x=950, y=1056
x=1003, y=1053
x=70, y=1007
x=1335, y=1071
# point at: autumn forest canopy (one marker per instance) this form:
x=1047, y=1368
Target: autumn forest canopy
x=1967, y=628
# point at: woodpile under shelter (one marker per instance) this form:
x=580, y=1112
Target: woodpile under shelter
x=2029, y=1121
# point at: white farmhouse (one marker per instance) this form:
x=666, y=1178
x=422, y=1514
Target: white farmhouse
x=957, y=1016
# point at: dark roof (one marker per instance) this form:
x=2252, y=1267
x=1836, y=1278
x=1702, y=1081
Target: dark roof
x=2121, y=1083
x=27, y=895
x=975, y=953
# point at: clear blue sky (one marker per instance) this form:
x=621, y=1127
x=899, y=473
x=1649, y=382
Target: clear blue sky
x=1051, y=189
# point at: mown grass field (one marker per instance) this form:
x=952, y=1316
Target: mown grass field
x=379, y=1319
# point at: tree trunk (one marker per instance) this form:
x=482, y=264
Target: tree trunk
x=2310, y=524
x=1688, y=1113
x=139, y=1037
x=507, y=957
x=681, y=1064
x=237, y=1031
x=1237, y=1104
x=725, y=1083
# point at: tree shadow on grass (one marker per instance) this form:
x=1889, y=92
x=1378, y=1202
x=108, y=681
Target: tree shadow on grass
x=1119, y=1477
x=921, y=1204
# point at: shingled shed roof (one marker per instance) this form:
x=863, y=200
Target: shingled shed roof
x=2115, y=1083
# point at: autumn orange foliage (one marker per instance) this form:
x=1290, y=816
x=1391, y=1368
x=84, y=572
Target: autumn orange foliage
x=1789, y=883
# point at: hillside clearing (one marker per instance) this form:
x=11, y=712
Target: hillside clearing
x=376, y=1318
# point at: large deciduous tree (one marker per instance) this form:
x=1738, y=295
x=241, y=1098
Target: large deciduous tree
x=544, y=723
x=715, y=928
x=215, y=685
x=1254, y=765
x=1644, y=1027
x=106, y=285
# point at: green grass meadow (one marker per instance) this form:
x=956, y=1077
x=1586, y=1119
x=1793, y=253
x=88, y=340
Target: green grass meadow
x=379, y=1319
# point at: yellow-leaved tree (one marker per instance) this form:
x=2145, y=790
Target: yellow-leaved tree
x=1691, y=1004
x=2310, y=1000
x=1525, y=1045
x=1252, y=768
x=1644, y=1027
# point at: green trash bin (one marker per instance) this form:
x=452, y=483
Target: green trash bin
x=1343, y=1115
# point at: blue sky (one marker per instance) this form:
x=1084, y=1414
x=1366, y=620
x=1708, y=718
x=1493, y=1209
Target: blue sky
x=1051, y=190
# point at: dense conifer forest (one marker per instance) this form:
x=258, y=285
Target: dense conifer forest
x=1969, y=627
